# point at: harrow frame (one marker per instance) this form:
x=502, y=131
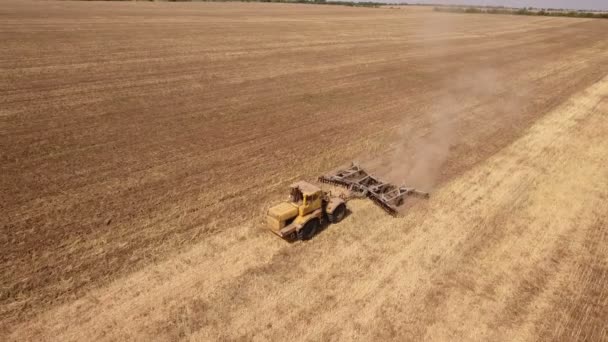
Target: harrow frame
x=361, y=183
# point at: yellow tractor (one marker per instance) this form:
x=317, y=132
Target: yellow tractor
x=309, y=208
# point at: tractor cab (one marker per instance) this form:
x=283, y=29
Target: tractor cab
x=306, y=197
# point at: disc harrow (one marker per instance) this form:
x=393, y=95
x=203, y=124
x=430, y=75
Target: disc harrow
x=359, y=182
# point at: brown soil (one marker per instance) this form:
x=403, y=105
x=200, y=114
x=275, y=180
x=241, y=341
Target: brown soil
x=141, y=142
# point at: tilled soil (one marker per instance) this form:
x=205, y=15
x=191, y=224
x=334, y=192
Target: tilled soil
x=141, y=143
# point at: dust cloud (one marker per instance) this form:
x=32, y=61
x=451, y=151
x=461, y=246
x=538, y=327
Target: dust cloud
x=419, y=155
x=425, y=139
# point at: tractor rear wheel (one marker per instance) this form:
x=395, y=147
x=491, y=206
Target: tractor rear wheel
x=338, y=214
x=309, y=229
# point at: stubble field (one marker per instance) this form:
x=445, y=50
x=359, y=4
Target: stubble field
x=141, y=142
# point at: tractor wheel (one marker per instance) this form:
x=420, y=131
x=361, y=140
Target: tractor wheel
x=338, y=214
x=309, y=230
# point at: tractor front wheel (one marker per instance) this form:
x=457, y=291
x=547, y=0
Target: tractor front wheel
x=309, y=230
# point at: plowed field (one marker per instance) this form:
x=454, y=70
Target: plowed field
x=140, y=144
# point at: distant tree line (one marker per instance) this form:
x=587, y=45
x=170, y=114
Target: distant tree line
x=315, y=2
x=551, y=12
x=325, y=2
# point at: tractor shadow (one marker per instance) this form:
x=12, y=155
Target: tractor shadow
x=322, y=228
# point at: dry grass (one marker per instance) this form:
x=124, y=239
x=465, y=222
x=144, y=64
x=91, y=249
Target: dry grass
x=140, y=143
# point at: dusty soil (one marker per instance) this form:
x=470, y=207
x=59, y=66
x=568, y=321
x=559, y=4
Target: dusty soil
x=141, y=142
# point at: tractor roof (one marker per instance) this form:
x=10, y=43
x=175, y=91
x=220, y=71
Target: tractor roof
x=306, y=187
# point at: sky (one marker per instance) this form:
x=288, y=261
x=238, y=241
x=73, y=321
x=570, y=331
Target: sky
x=571, y=4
